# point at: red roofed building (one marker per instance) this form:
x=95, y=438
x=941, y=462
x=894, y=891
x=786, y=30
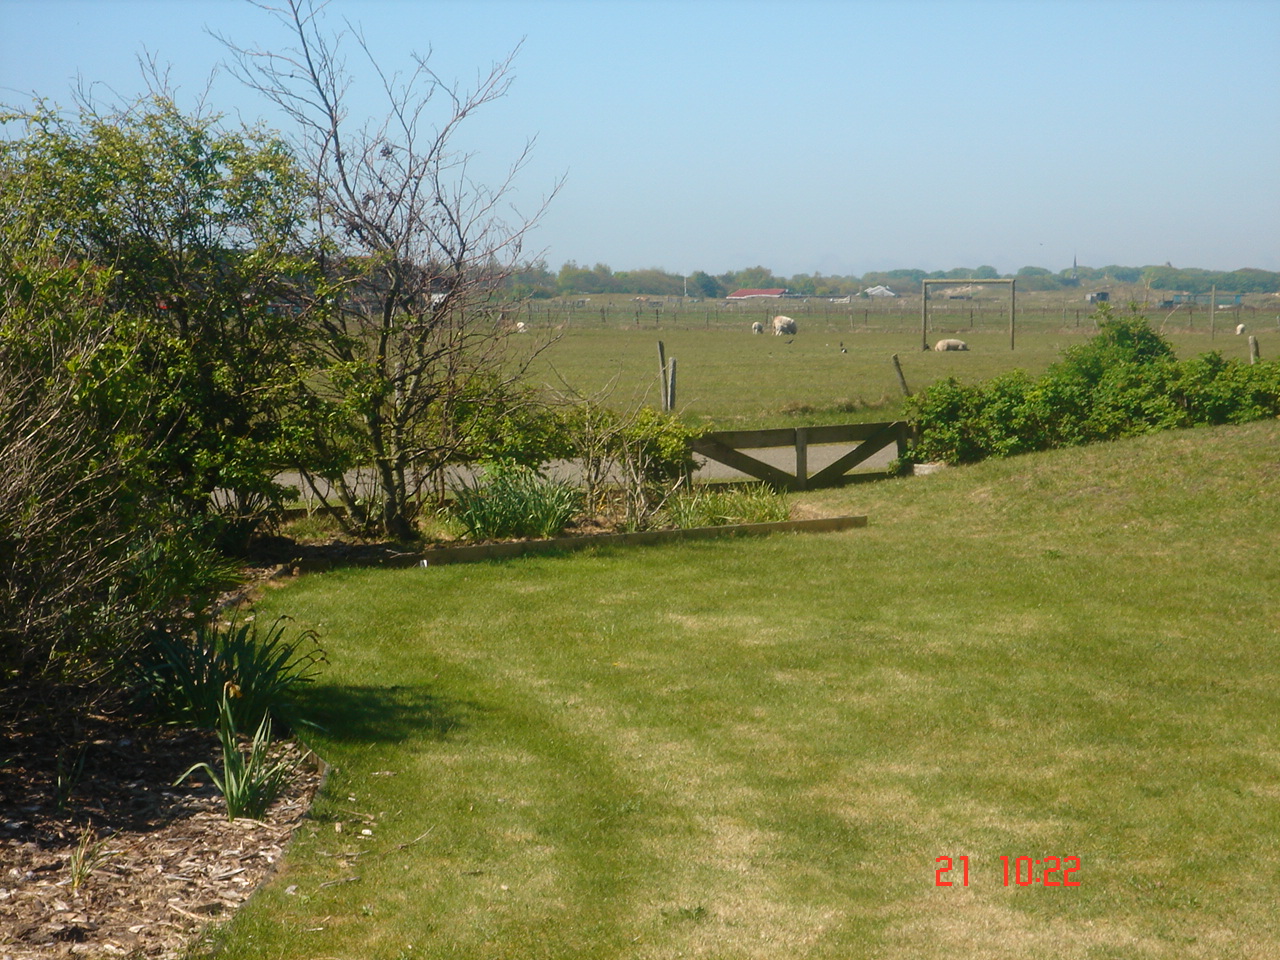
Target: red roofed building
x=745, y=294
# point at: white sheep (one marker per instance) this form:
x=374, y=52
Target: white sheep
x=757, y=327
x=783, y=325
x=1239, y=329
x=521, y=327
x=942, y=346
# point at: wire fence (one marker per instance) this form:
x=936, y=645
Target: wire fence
x=883, y=314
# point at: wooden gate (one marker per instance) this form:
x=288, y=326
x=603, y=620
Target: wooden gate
x=868, y=438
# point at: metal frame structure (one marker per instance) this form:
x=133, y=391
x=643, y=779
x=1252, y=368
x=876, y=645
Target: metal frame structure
x=924, y=305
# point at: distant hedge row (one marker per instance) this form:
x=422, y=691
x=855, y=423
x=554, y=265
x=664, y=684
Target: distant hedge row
x=1124, y=381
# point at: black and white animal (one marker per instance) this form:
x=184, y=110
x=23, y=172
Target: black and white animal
x=783, y=325
x=942, y=346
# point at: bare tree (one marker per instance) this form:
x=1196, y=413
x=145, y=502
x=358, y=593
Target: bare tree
x=417, y=251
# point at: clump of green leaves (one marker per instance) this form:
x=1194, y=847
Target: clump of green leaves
x=183, y=678
x=514, y=501
x=1123, y=382
x=90, y=853
x=250, y=781
x=748, y=503
x=652, y=453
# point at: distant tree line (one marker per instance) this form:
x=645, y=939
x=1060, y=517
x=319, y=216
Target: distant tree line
x=573, y=279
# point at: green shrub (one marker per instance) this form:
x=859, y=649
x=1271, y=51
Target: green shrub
x=514, y=501
x=181, y=678
x=1124, y=381
x=175, y=565
x=657, y=445
x=1120, y=340
x=652, y=453
x=751, y=503
x=1133, y=399
x=1215, y=390
x=509, y=424
x=946, y=419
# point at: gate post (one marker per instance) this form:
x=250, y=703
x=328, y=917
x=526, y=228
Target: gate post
x=802, y=458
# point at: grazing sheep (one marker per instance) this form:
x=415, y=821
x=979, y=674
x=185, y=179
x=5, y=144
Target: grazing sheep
x=783, y=325
x=520, y=326
x=1239, y=329
x=757, y=327
x=942, y=346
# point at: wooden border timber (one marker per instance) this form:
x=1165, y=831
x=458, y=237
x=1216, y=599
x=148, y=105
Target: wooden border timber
x=726, y=447
x=516, y=548
x=477, y=552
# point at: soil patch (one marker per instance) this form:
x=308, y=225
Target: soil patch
x=158, y=862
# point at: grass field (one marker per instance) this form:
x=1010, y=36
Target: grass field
x=731, y=379
x=758, y=748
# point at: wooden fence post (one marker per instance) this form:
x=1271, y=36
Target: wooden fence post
x=662, y=373
x=1013, y=299
x=924, y=318
x=802, y=458
x=1254, y=356
x=671, y=386
x=902, y=381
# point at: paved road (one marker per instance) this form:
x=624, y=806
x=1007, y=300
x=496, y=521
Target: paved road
x=784, y=458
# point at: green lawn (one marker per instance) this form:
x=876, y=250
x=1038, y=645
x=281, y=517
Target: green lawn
x=757, y=748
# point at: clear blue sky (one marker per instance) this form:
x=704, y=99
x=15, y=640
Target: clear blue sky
x=803, y=135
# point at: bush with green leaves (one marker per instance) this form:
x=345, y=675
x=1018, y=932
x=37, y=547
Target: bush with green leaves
x=91, y=556
x=1121, y=339
x=652, y=453
x=658, y=445
x=509, y=423
x=1123, y=382
x=510, y=500
x=196, y=228
x=1215, y=390
x=181, y=678
x=714, y=507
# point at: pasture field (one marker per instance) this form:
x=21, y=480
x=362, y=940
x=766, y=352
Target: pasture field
x=759, y=748
x=731, y=379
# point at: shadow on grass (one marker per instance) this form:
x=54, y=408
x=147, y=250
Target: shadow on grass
x=368, y=714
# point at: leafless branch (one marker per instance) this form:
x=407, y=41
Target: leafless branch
x=420, y=247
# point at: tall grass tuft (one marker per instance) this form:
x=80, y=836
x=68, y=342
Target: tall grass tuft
x=751, y=503
x=90, y=853
x=515, y=502
x=181, y=679
x=249, y=781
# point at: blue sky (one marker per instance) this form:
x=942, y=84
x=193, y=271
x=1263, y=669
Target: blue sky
x=833, y=136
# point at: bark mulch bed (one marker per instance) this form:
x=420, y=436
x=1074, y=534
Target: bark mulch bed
x=160, y=862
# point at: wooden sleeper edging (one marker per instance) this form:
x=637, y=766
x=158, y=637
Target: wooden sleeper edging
x=473, y=553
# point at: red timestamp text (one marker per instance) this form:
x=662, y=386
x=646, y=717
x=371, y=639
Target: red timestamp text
x=1018, y=871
